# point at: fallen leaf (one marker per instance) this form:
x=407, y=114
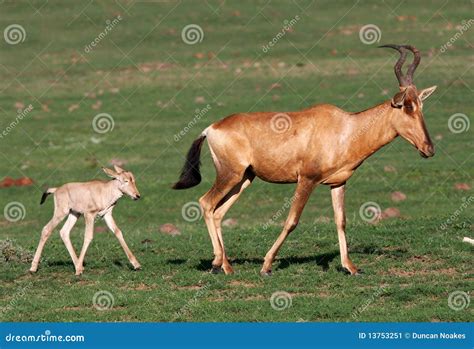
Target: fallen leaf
x=19, y=105
x=45, y=108
x=389, y=168
x=398, y=196
x=100, y=229
x=229, y=222
x=117, y=162
x=73, y=107
x=390, y=212
x=200, y=99
x=275, y=86
x=462, y=186
x=97, y=105
x=170, y=229
x=199, y=55
x=23, y=181
x=7, y=182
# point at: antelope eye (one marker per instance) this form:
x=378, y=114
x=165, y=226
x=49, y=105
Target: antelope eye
x=408, y=107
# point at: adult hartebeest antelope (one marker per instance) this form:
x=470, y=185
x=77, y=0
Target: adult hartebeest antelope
x=319, y=145
x=90, y=199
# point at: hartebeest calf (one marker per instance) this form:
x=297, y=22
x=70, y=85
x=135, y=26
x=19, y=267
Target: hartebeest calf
x=319, y=145
x=89, y=199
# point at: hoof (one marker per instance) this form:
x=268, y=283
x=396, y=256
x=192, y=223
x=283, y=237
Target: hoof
x=32, y=271
x=138, y=267
x=228, y=270
x=215, y=270
x=266, y=273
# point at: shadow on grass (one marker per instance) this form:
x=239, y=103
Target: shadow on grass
x=322, y=260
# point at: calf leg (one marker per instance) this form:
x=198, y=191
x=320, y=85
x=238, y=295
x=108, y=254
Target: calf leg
x=45, y=234
x=88, y=236
x=118, y=233
x=65, y=232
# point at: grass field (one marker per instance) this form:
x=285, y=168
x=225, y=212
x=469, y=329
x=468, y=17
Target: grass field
x=143, y=74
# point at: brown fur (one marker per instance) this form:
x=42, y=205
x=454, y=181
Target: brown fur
x=321, y=145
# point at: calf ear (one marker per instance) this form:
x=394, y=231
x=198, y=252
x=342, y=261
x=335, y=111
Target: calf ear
x=397, y=100
x=423, y=94
x=118, y=169
x=109, y=172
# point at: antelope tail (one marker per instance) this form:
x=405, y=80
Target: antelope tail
x=46, y=193
x=190, y=174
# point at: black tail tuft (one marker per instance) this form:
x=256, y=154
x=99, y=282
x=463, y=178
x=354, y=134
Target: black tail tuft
x=43, y=198
x=190, y=174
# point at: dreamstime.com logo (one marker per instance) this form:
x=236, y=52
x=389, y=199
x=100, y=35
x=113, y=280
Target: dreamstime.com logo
x=280, y=123
x=370, y=211
x=103, y=123
x=103, y=300
x=281, y=300
x=21, y=114
x=191, y=211
x=14, y=211
x=370, y=34
x=459, y=300
x=192, y=34
x=14, y=34
x=459, y=123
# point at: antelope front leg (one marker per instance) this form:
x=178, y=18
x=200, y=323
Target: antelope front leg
x=109, y=220
x=304, y=188
x=337, y=194
x=88, y=236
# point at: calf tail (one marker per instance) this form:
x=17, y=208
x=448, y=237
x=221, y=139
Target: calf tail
x=46, y=193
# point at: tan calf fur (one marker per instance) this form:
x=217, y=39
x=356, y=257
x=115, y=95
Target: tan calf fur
x=89, y=199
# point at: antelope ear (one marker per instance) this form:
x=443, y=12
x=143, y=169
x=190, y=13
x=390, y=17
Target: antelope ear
x=423, y=94
x=109, y=172
x=118, y=169
x=397, y=100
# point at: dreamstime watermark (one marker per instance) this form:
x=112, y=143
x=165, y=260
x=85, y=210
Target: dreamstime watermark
x=46, y=337
x=459, y=300
x=191, y=211
x=192, y=34
x=459, y=123
x=465, y=26
x=280, y=123
x=21, y=114
x=110, y=25
x=370, y=34
x=287, y=25
x=14, y=34
x=363, y=307
x=286, y=205
x=14, y=211
x=455, y=215
x=187, y=308
x=15, y=299
x=281, y=300
x=199, y=113
x=370, y=211
x=103, y=300
x=103, y=123
x=372, y=121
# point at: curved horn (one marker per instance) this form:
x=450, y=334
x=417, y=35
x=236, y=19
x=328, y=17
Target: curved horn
x=398, y=66
x=416, y=61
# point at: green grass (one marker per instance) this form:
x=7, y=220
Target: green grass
x=161, y=81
